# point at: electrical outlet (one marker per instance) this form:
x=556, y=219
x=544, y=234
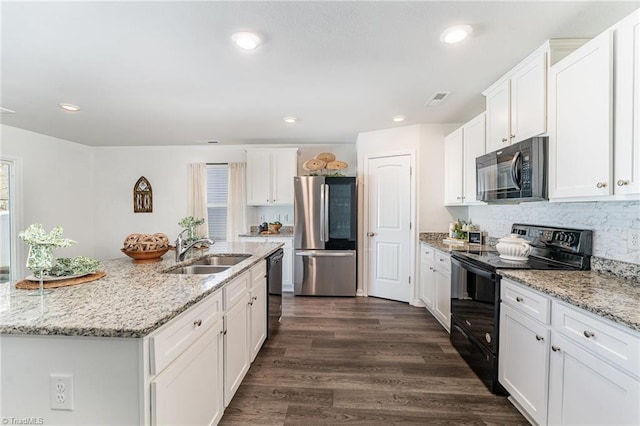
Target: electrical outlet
x=633, y=239
x=61, y=391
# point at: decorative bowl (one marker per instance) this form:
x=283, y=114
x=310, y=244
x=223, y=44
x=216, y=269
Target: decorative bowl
x=274, y=228
x=514, y=248
x=145, y=256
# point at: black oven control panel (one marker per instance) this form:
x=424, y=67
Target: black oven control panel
x=573, y=240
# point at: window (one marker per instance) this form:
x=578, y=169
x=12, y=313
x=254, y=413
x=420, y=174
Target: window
x=217, y=188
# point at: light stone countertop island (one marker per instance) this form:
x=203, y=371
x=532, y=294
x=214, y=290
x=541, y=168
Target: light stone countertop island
x=131, y=301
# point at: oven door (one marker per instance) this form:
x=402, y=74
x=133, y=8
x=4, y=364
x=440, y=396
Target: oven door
x=499, y=175
x=475, y=302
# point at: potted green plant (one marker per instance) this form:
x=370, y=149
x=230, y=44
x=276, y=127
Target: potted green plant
x=191, y=224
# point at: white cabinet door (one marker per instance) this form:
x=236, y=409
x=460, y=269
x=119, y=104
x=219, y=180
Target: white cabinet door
x=258, y=178
x=584, y=390
x=258, y=307
x=580, y=127
x=627, y=108
x=524, y=360
x=284, y=166
x=236, y=347
x=427, y=276
x=190, y=390
x=453, y=168
x=474, y=146
x=497, y=101
x=529, y=99
x=287, y=269
x=442, y=300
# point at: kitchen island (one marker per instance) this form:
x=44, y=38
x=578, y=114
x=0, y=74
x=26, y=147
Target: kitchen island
x=138, y=346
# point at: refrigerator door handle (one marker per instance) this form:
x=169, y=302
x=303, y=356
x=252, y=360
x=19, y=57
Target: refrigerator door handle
x=323, y=202
x=324, y=253
x=325, y=236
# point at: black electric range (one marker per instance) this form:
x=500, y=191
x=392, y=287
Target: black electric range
x=475, y=290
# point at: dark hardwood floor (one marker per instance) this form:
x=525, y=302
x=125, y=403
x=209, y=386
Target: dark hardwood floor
x=364, y=361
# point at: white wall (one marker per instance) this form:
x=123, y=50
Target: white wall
x=609, y=221
x=55, y=186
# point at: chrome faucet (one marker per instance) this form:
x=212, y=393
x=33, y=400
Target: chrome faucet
x=181, y=252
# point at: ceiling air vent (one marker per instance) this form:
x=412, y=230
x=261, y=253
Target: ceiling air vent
x=6, y=111
x=437, y=98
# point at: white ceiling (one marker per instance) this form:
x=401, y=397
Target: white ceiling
x=166, y=73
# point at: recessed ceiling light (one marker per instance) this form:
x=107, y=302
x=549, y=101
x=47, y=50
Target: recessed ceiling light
x=455, y=34
x=399, y=118
x=289, y=120
x=70, y=107
x=246, y=40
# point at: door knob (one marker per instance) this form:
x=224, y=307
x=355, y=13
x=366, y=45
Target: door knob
x=371, y=234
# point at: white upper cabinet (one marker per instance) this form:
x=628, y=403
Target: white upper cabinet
x=453, y=168
x=517, y=102
x=270, y=175
x=460, y=151
x=580, y=133
x=627, y=106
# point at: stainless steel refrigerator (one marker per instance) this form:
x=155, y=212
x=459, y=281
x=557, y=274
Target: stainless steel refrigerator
x=325, y=211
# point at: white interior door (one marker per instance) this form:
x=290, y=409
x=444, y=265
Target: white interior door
x=389, y=234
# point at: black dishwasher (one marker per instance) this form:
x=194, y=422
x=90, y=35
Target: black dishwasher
x=274, y=291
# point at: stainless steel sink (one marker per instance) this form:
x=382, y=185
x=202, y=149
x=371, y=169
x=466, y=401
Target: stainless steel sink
x=222, y=260
x=198, y=269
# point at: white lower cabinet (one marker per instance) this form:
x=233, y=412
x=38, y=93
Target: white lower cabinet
x=568, y=368
x=287, y=259
x=258, y=308
x=524, y=359
x=237, y=353
x=189, y=390
x=435, y=283
x=584, y=389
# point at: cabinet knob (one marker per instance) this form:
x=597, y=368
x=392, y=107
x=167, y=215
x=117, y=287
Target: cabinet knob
x=512, y=136
x=539, y=338
x=504, y=140
x=197, y=323
x=519, y=299
x=588, y=334
x=254, y=298
x=555, y=348
x=601, y=184
x=371, y=234
x=622, y=182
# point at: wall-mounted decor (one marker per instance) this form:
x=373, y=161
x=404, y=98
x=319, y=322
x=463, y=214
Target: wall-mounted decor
x=142, y=196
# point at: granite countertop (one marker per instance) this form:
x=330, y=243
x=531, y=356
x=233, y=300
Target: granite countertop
x=131, y=301
x=258, y=234
x=608, y=296
x=435, y=241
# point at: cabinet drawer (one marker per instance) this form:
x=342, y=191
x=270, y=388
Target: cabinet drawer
x=176, y=336
x=259, y=274
x=599, y=336
x=443, y=262
x=427, y=254
x=529, y=302
x=235, y=291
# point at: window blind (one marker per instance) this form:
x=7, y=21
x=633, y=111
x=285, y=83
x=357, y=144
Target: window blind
x=217, y=188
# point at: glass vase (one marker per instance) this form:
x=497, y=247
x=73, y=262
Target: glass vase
x=40, y=260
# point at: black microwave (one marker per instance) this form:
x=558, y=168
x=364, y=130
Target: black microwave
x=514, y=173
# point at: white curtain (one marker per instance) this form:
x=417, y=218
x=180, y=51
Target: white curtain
x=237, y=201
x=198, y=195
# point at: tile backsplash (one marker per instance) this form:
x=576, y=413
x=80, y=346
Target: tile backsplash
x=609, y=221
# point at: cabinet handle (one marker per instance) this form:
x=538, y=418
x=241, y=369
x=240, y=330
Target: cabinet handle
x=539, y=338
x=224, y=332
x=622, y=182
x=197, y=323
x=519, y=299
x=254, y=298
x=250, y=302
x=588, y=334
x=504, y=140
x=555, y=348
x=601, y=184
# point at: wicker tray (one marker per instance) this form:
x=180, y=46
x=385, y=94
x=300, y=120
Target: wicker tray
x=34, y=285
